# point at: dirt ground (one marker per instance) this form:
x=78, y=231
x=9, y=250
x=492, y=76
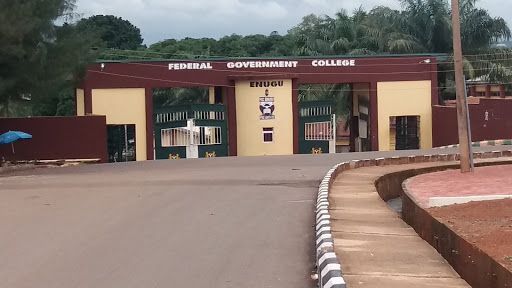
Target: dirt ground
x=487, y=224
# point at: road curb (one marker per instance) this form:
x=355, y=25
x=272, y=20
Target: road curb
x=19, y=168
x=505, y=142
x=328, y=265
x=330, y=274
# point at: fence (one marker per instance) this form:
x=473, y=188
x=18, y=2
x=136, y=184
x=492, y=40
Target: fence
x=56, y=138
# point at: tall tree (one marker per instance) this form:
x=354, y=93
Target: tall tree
x=428, y=22
x=61, y=70
x=28, y=39
x=343, y=34
x=479, y=29
x=314, y=35
x=115, y=32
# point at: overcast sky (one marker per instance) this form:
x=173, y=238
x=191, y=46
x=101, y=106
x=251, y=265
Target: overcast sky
x=164, y=19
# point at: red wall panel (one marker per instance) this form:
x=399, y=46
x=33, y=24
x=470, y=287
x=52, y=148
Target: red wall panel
x=57, y=138
x=490, y=120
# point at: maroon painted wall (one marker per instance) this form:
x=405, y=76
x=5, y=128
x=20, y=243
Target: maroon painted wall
x=156, y=74
x=57, y=138
x=497, y=126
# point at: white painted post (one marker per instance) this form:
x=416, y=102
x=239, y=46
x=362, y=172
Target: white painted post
x=332, y=142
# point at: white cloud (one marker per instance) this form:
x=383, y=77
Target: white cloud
x=163, y=19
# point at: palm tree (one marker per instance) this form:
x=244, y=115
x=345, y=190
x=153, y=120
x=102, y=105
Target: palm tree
x=425, y=26
x=429, y=22
x=478, y=29
x=422, y=26
x=337, y=94
x=343, y=34
x=314, y=35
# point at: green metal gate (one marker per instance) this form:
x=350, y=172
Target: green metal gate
x=317, y=127
x=191, y=131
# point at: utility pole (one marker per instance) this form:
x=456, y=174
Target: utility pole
x=462, y=111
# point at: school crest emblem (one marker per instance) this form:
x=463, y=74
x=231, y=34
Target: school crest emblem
x=267, y=107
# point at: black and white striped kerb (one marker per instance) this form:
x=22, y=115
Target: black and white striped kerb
x=328, y=266
x=502, y=142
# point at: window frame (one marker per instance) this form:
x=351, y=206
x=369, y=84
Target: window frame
x=268, y=131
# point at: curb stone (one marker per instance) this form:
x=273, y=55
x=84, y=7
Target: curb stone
x=18, y=168
x=328, y=265
x=506, y=142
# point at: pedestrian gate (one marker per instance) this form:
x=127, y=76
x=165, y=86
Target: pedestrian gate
x=190, y=131
x=317, y=130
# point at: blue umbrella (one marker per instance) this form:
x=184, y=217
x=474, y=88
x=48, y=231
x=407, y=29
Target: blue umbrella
x=13, y=136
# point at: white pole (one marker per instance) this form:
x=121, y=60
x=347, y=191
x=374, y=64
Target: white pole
x=332, y=146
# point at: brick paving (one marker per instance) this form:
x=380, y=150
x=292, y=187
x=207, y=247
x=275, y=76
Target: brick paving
x=375, y=247
x=492, y=180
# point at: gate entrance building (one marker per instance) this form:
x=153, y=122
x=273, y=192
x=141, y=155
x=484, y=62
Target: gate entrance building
x=252, y=106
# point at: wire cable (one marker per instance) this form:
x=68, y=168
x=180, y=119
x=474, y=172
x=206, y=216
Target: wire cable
x=291, y=59
x=189, y=83
x=273, y=73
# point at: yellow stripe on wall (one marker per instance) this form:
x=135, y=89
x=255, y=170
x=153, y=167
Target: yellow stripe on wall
x=124, y=106
x=80, y=102
x=404, y=98
x=250, y=126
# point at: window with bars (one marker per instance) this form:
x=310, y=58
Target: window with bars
x=404, y=133
x=183, y=116
x=209, y=136
x=182, y=136
x=319, y=131
x=209, y=115
x=171, y=117
x=175, y=137
x=315, y=111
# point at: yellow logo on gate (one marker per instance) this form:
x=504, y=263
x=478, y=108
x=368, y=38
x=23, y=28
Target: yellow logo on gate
x=174, y=157
x=316, y=151
x=211, y=155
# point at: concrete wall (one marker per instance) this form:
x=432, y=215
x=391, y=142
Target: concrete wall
x=490, y=120
x=404, y=98
x=124, y=106
x=80, y=102
x=57, y=138
x=250, y=127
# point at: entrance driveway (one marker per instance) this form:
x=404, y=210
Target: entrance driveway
x=226, y=222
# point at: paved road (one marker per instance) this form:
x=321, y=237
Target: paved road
x=232, y=222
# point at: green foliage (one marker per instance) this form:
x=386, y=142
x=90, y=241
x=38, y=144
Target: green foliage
x=115, y=32
x=179, y=96
x=186, y=48
x=26, y=30
x=421, y=26
x=478, y=29
x=38, y=58
x=44, y=61
x=339, y=94
x=228, y=46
